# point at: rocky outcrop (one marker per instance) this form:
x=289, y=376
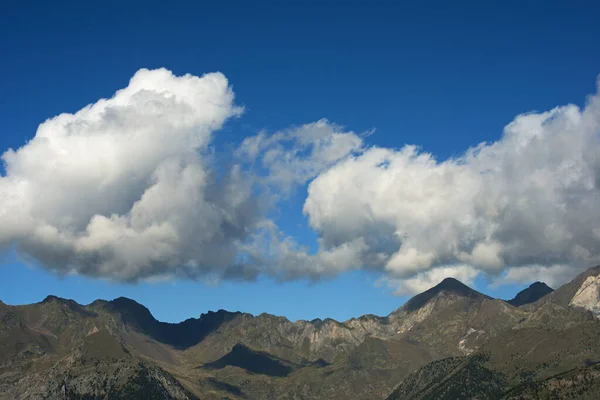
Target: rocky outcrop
x=588, y=295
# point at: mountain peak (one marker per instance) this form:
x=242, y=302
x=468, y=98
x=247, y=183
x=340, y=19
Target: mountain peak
x=51, y=298
x=533, y=293
x=70, y=304
x=124, y=303
x=448, y=285
x=451, y=284
x=133, y=312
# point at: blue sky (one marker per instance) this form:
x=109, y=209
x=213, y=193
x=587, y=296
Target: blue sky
x=444, y=76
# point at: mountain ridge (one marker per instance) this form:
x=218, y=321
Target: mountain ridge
x=449, y=285
x=238, y=355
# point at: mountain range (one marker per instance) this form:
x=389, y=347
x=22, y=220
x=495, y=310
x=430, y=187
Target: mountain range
x=448, y=342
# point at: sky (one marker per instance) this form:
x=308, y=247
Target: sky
x=300, y=159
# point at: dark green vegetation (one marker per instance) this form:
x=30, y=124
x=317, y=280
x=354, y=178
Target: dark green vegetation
x=449, y=342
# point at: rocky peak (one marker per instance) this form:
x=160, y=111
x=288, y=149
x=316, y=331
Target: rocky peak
x=211, y=320
x=454, y=285
x=69, y=304
x=132, y=312
x=216, y=313
x=56, y=299
x=448, y=286
x=51, y=298
x=126, y=303
x=533, y=293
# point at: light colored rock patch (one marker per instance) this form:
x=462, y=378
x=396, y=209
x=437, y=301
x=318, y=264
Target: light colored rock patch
x=588, y=295
x=94, y=330
x=407, y=321
x=472, y=335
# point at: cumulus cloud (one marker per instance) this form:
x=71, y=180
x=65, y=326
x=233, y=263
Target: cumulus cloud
x=529, y=199
x=124, y=187
x=553, y=275
x=127, y=189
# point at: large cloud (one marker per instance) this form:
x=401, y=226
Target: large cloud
x=530, y=199
x=127, y=189
x=124, y=188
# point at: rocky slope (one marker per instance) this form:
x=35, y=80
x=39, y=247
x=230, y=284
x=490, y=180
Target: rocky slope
x=565, y=294
x=441, y=343
x=549, y=353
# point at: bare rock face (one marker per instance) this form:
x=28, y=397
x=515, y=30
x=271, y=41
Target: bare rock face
x=122, y=380
x=588, y=295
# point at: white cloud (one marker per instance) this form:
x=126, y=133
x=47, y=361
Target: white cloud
x=531, y=198
x=126, y=189
x=283, y=258
x=296, y=155
x=553, y=275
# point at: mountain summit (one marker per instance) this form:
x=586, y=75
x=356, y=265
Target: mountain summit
x=533, y=293
x=448, y=286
